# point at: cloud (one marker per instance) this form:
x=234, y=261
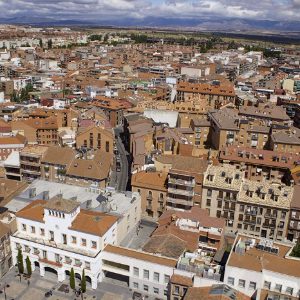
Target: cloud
x=116, y=9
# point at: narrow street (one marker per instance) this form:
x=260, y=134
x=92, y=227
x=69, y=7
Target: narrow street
x=122, y=175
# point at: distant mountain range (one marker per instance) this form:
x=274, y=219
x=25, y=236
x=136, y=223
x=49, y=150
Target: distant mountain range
x=206, y=24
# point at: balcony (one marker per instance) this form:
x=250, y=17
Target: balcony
x=78, y=264
x=247, y=221
x=181, y=192
x=179, y=201
x=30, y=171
x=149, y=207
x=161, y=200
x=268, y=225
x=251, y=213
x=272, y=216
x=160, y=209
x=190, y=183
x=68, y=261
x=29, y=162
x=149, y=197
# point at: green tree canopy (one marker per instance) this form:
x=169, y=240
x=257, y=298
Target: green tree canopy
x=28, y=266
x=20, y=261
x=83, y=282
x=72, y=279
x=296, y=250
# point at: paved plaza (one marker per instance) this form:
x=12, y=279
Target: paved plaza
x=38, y=286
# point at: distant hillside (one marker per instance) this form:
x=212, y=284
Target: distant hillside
x=210, y=24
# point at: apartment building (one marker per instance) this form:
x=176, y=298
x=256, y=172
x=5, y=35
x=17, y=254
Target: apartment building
x=9, y=143
x=293, y=233
x=201, y=132
x=228, y=128
x=95, y=138
x=55, y=162
x=266, y=112
x=287, y=140
x=58, y=235
x=184, y=181
x=152, y=187
x=260, y=164
x=5, y=250
x=42, y=131
x=92, y=171
x=30, y=162
x=217, y=93
x=257, y=208
x=186, y=231
x=113, y=109
x=262, y=269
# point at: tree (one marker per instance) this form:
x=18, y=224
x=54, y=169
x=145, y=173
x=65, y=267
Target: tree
x=50, y=44
x=72, y=279
x=41, y=43
x=28, y=266
x=20, y=261
x=83, y=282
x=296, y=250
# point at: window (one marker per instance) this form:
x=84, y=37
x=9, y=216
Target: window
x=167, y=278
x=156, y=276
x=208, y=202
x=136, y=271
x=64, y=236
x=135, y=285
x=230, y=280
x=24, y=227
x=278, y=287
x=156, y=290
x=87, y=265
x=83, y=242
x=74, y=240
x=42, y=231
x=289, y=290
x=57, y=258
x=146, y=287
x=94, y=244
x=51, y=233
x=252, y=285
x=146, y=274
x=176, y=289
x=242, y=283
x=32, y=229
x=209, y=193
x=44, y=254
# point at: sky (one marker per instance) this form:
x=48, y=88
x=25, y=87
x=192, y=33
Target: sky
x=279, y=10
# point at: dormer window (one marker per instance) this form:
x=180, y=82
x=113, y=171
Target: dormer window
x=210, y=177
x=228, y=180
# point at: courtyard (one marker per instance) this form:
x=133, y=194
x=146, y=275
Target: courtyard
x=36, y=286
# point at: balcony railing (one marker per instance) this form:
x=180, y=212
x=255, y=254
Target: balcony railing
x=182, y=182
x=180, y=201
x=181, y=192
x=270, y=216
x=149, y=207
x=68, y=261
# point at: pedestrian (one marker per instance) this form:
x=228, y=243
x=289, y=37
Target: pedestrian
x=28, y=282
